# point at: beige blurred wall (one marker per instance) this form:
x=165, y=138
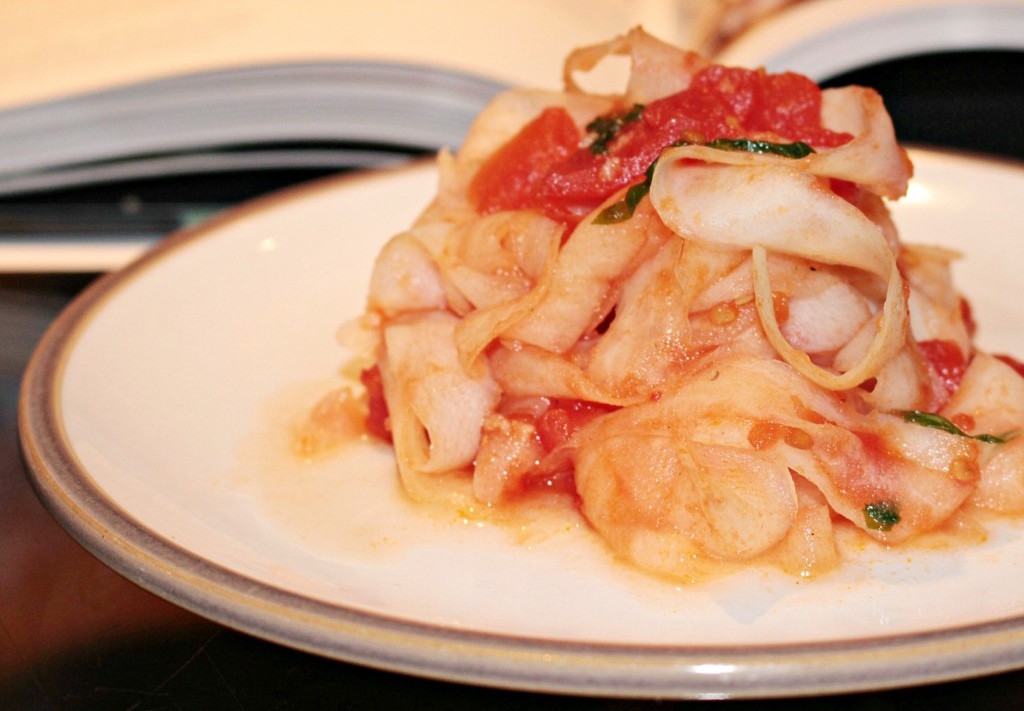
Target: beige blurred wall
x=50, y=47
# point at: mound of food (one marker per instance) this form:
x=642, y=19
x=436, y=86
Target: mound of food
x=686, y=305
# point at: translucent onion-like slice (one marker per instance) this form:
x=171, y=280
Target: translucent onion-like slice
x=657, y=69
x=435, y=407
x=873, y=159
x=584, y=279
x=481, y=326
x=773, y=206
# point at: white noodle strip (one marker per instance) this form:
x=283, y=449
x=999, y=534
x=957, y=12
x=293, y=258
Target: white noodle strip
x=779, y=207
x=479, y=328
x=887, y=342
x=873, y=159
x=436, y=407
x=657, y=69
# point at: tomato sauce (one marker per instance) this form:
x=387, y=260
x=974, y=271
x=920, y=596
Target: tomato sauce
x=564, y=418
x=509, y=178
x=946, y=361
x=546, y=166
x=377, y=406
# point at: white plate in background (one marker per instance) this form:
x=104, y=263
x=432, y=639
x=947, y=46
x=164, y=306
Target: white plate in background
x=825, y=38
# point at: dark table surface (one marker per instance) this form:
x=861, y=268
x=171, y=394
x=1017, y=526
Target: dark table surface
x=76, y=635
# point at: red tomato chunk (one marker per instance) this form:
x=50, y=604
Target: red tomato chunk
x=509, y=179
x=377, y=414
x=564, y=417
x=545, y=166
x=946, y=361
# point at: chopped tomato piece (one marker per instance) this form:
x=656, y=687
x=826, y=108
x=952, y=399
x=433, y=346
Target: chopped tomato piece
x=508, y=180
x=377, y=416
x=849, y=191
x=545, y=168
x=786, y=105
x=564, y=418
x=947, y=362
x=554, y=428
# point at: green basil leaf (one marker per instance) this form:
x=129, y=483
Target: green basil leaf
x=616, y=212
x=623, y=209
x=881, y=515
x=938, y=422
x=608, y=127
x=799, y=149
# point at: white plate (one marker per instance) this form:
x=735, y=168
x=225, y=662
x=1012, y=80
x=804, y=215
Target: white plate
x=825, y=38
x=154, y=419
